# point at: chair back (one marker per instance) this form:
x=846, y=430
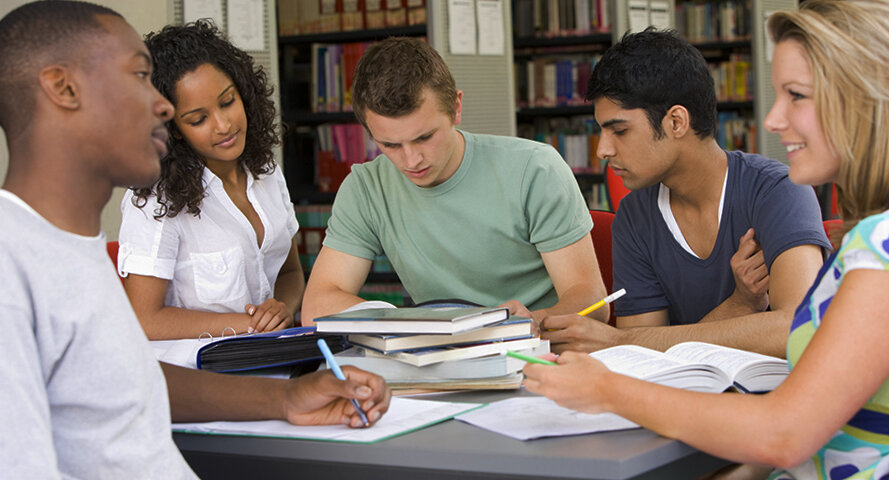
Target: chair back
x=112, y=248
x=614, y=187
x=601, y=234
x=831, y=226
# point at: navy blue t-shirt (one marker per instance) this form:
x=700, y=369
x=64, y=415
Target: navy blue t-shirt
x=658, y=273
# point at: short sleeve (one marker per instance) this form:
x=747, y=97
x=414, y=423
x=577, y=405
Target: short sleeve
x=867, y=245
x=557, y=214
x=350, y=229
x=148, y=246
x=786, y=215
x=26, y=445
x=632, y=268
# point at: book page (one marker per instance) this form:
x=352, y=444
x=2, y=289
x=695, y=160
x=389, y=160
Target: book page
x=636, y=361
x=729, y=360
x=405, y=415
x=525, y=418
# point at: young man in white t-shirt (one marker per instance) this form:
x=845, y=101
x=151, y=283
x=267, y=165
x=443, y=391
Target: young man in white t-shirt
x=83, y=396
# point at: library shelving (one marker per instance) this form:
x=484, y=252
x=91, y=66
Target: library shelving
x=555, y=46
x=319, y=43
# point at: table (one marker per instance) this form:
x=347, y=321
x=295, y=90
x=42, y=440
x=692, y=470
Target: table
x=450, y=450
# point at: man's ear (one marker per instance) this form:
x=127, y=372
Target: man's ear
x=59, y=87
x=677, y=122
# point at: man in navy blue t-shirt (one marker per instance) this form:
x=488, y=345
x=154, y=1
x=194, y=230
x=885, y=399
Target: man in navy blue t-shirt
x=710, y=245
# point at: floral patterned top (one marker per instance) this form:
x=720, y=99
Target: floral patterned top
x=860, y=449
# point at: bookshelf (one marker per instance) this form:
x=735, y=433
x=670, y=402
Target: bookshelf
x=555, y=46
x=319, y=43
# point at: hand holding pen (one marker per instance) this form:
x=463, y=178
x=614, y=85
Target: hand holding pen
x=338, y=373
x=580, y=333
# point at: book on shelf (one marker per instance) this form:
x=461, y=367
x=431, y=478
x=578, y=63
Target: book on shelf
x=443, y=320
x=394, y=371
x=374, y=14
x=430, y=356
x=697, y=366
x=514, y=327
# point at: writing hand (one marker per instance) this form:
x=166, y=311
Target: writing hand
x=577, y=333
x=320, y=398
x=577, y=382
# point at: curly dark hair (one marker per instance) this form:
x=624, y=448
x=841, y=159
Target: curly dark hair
x=179, y=50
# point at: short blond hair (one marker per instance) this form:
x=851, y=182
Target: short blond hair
x=847, y=45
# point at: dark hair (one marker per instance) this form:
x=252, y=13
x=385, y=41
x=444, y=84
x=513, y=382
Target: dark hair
x=655, y=70
x=391, y=75
x=177, y=51
x=33, y=36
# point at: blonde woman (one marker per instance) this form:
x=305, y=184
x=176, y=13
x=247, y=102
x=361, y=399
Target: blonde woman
x=830, y=418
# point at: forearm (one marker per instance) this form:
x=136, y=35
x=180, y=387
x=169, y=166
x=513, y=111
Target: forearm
x=197, y=395
x=289, y=288
x=730, y=308
x=172, y=323
x=325, y=301
x=764, y=332
x=574, y=300
x=742, y=428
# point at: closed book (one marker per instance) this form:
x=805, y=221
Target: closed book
x=265, y=350
x=444, y=320
x=429, y=356
x=473, y=368
x=514, y=327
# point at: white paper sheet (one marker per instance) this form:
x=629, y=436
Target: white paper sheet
x=490, y=27
x=461, y=27
x=195, y=9
x=526, y=418
x=404, y=415
x=245, y=27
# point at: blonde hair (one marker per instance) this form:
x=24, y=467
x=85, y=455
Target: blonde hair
x=847, y=44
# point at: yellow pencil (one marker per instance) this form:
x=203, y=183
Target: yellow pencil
x=610, y=298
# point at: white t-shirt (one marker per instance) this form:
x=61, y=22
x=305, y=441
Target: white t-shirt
x=212, y=260
x=82, y=394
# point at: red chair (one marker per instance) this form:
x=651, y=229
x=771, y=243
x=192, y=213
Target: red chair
x=614, y=187
x=601, y=234
x=112, y=248
x=831, y=226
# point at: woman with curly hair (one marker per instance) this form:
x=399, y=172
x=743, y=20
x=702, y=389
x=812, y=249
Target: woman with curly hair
x=212, y=245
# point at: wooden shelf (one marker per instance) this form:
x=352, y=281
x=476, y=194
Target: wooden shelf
x=354, y=36
x=534, y=42
x=559, y=111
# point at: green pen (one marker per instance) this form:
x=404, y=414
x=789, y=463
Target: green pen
x=529, y=359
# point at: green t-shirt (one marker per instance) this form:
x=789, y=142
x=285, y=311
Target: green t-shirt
x=477, y=236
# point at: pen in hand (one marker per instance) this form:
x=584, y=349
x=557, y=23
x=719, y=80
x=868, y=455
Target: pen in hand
x=610, y=298
x=338, y=373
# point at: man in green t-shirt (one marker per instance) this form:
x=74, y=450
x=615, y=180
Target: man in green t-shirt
x=481, y=218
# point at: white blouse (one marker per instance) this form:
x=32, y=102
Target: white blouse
x=212, y=260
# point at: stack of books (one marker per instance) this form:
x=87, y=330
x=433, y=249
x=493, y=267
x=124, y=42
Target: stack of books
x=436, y=348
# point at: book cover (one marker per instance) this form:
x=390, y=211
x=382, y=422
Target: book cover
x=265, y=350
x=429, y=356
x=474, y=368
x=514, y=327
x=446, y=320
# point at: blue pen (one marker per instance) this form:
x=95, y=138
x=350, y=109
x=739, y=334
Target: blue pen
x=331, y=364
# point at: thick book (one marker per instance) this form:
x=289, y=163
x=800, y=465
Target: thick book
x=444, y=320
x=265, y=350
x=429, y=356
x=474, y=368
x=512, y=328
x=697, y=366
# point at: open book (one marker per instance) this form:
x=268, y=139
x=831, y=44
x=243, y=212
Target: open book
x=697, y=366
